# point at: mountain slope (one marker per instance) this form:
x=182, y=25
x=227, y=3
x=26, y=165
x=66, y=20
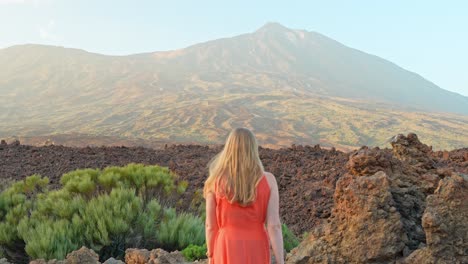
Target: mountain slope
x=288, y=85
x=317, y=63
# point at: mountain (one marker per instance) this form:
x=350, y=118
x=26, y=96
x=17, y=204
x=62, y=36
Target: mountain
x=289, y=86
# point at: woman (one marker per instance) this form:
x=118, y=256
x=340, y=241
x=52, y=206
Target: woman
x=241, y=199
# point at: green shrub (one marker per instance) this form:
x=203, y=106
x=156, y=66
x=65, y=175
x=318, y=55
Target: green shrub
x=107, y=210
x=194, y=252
x=290, y=240
x=179, y=231
x=15, y=203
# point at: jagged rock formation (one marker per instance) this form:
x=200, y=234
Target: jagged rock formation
x=381, y=214
x=445, y=223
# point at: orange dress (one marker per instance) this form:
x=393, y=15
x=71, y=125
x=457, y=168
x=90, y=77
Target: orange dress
x=242, y=237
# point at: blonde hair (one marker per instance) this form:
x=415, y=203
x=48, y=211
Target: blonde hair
x=237, y=168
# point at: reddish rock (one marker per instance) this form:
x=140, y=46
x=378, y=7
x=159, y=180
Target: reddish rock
x=445, y=155
x=159, y=256
x=137, y=256
x=411, y=150
x=364, y=227
x=367, y=161
x=83, y=255
x=381, y=214
x=444, y=222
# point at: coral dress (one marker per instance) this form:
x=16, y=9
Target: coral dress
x=242, y=237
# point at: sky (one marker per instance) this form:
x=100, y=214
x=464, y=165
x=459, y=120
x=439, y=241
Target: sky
x=427, y=37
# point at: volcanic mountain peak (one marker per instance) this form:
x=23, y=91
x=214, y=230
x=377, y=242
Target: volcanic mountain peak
x=306, y=86
x=273, y=27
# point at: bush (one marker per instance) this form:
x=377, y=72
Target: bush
x=106, y=210
x=290, y=240
x=179, y=231
x=194, y=252
x=15, y=204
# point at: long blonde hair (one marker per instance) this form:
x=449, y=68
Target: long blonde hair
x=237, y=168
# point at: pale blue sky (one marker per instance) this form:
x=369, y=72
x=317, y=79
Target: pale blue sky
x=427, y=37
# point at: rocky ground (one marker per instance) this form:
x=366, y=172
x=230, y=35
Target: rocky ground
x=407, y=204
x=306, y=175
x=132, y=256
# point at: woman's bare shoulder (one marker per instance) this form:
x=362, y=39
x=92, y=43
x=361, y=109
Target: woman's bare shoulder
x=270, y=178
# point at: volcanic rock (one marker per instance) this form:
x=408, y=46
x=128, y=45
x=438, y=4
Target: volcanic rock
x=159, y=256
x=411, y=150
x=113, y=261
x=365, y=226
x=137, y=256
x=83, y=255
x=445, y=223
x=367, y=161
x=380, y=213
x=155, y=256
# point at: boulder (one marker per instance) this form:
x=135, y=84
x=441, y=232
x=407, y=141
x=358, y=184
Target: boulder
x=137, y=256
x=83, y=255
x=365, y=226
x=155, y=256
x=159, y=256
x=113, y=261
x=445, y=223
x=411, y=150
x=367, y=161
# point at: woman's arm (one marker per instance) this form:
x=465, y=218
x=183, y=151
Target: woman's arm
x=273, y=221
x=211, y=225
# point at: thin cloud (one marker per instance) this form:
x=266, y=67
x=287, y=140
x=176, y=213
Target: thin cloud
x=6, y=2
x=21, y=2
x=46, y=32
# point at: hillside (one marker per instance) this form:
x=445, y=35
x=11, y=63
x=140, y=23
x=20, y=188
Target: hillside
x=289, y=86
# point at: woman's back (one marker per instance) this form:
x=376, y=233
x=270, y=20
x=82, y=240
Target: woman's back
x=235, y=232
x=242, y=237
